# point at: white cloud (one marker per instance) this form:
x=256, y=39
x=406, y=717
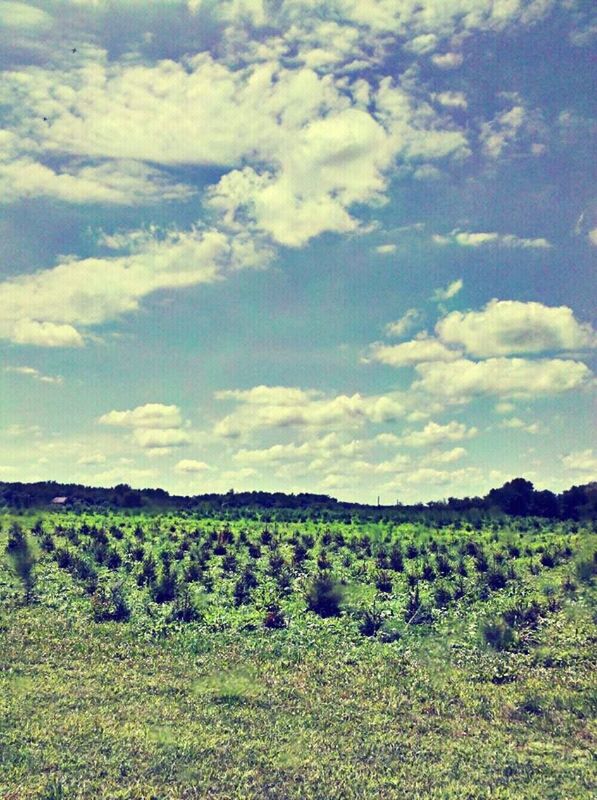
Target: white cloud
x=503, y=377
x=450, y=291
x=403, y=325
x=159, y=439
x=154, y=427
x=446, y=456
x=581, y=461
x=150, y=415
x=120, y=183
x=506, y=327
x=593, y=236
x=480, y=239
x=91, y=460
x=515, y=423
x=407, y=354
x=21, y=16
x=42, y=308
x=386, y=249
x=31, y=331
x=281, y=407
x=450, y=99
x=322, y=449
x=190, y=466
x=35, y=374
x=433, y=434
x=504, y=407
x=448, y=60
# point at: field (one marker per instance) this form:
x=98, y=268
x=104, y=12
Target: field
x=180, y=657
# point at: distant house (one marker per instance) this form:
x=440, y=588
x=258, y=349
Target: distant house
x=59, y=501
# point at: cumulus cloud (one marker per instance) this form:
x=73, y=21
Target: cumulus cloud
x=507, y=327
x=446, y=456
x=150, y=415
x=31, y=372
x=31, y=331
x=44, y=307
x=118, y=183
x=450, y=99
x=403, y=325
x=433, y=434
x=451, y=290
x=154, y=427
x=91, y=459
x=407, y=354
x=480, y=239
x=386, y=249
x=450, y=60
x=515, y=423
x=284, y=407
x=189, y=466
x=581, y=461
x=160, y=439
x=503, y=377
x=23, y=17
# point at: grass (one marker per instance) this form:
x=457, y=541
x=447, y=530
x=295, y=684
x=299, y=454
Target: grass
x=216, y=709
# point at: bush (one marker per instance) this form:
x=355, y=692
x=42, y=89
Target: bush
x=383, y=582
x=498, y=634
x=585, y=569
x=442, y=597
x=184, y=609
x=164, y=590
x=324, y=595
x=22, y=559
x=243, y=587
x=370, y=622
x=495, y=579
x=274, y=617
x=109, y=604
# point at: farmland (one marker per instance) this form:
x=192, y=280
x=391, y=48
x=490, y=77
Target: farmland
x=176, y=656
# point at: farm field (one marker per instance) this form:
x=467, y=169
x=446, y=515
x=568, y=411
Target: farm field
x=181, y=657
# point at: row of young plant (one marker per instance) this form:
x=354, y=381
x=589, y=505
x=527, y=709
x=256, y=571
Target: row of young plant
x=413, y=580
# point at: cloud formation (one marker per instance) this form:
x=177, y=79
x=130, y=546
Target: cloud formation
x=480, y=239
x=506, y=327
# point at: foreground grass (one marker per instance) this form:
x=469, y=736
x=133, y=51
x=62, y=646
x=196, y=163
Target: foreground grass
x=88, y=712
x=314, y=710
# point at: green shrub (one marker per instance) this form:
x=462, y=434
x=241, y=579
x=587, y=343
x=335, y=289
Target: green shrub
x=383, y=582
x=22, y=559
x=109, y=604
x=324, y=595
x=498, y=634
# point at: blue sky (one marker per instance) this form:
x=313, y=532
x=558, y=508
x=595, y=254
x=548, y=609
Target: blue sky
x=307, y=245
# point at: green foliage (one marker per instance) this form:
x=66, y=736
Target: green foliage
x=498, y=634
x=323, y=595
x=109, y=603
x=21, y=556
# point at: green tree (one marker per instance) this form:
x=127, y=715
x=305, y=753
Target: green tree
x=22, y=559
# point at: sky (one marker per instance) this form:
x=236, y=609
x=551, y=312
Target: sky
x=337, y=246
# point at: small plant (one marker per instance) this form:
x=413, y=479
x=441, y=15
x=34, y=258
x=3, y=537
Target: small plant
x=383, y=582
x=184, y=609
x=370, y=622
x=498, y=634
x=274, y=617
x=21, y=556
x=324, y=595
x=109, y=604
x=243, y=587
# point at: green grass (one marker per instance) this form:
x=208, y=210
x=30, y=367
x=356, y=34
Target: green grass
x=224, y=708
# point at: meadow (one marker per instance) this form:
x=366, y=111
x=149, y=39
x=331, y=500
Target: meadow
x=175, y=656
